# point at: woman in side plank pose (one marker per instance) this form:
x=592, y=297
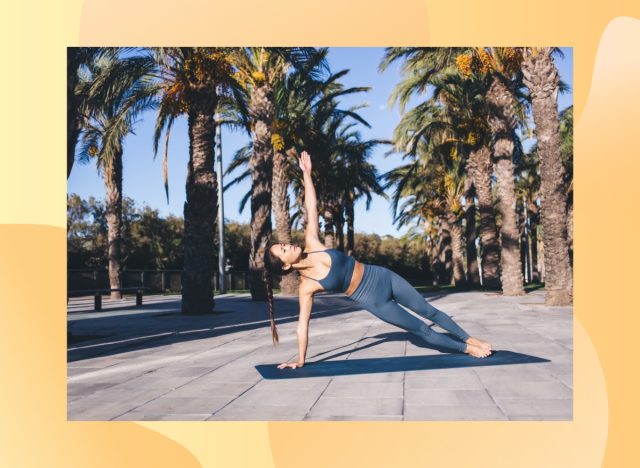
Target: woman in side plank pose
x=376, y=288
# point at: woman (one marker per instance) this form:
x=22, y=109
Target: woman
x=375, y=288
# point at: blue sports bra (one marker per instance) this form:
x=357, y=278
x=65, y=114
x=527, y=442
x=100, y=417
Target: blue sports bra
x=340, y=272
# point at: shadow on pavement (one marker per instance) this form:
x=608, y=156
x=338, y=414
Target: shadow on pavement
x=108, y=335
x=394, y=364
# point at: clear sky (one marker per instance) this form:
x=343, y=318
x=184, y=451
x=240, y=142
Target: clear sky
x=143, y=175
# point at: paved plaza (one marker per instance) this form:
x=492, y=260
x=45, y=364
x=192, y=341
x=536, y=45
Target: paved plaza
x=152, y=363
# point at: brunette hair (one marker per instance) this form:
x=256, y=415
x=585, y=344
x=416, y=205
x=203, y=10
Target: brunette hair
x=272, y=265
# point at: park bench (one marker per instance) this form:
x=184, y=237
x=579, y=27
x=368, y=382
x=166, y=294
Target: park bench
x=97, y=295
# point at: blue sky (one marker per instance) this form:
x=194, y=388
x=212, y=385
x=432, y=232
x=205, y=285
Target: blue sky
x=142, y=175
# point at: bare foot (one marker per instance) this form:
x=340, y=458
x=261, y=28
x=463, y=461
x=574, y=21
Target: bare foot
x=477, y=351
x=478, y=342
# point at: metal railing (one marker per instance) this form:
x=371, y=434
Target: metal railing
x=158, y=281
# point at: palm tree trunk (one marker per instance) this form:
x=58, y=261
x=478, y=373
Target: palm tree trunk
x=303, y=210
x=457, y=255
x=473, y=274
x=340, y=229
x=280, y=204
x=261, y=167
x=445, y=255
x=73, y=126
x=541, y=77
x=199, y=215
x=349, y=214
x=329, y=231
x=570, y=230
x=113, y=215
x=479, y=168
x=502, y=122
x=533, y=245
x=435, y=263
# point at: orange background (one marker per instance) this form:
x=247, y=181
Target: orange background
x=33, y=427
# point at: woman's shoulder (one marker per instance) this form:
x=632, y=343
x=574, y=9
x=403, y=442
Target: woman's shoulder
x=308, y=286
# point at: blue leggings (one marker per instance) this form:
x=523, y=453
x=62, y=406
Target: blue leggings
x=380, y=292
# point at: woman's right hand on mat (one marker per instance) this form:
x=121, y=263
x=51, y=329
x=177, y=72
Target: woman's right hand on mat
x=293, y=365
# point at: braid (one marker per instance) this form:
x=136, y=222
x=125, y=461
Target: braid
x=271, y=264
x=266, y=278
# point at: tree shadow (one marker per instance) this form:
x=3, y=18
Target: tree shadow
x=166, y=325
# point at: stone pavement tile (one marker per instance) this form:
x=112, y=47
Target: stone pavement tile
x=536, y=371
x=430, y=397
x=96, y=363
x=260, y=413
x=81, y=390
x=536, y=408
x=566, y=379
x=371, y=377
x=284, y=397
x=354, y=418
x=244, y=374
x=358, y=406
x=527, y=389
x=73, y=371
x=442, y=381
x=370, y=389
x=139, y=416
x=151, y=380
x=183, y=371
x=179, y=405
x=109, y=403
x=211, y=388
x=557, y=368
x=301, y=383
x=453, y=413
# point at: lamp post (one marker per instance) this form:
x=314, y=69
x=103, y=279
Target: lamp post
x=221, y=258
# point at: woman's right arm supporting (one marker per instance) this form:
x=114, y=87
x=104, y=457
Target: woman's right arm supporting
x=302, y=330
x=305, y=297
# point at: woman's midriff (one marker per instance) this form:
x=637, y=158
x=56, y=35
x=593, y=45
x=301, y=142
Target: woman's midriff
x=358, y=272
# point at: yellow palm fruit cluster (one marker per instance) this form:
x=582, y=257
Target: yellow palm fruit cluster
x=174, y=98
x=456, y=207
x=512, y=59
x=448, y=182
x=241, y=77
x=258, y=78
x=464, y=62
x=486, y=61
x=207, y=67
x=472, y=139
x=277, y=142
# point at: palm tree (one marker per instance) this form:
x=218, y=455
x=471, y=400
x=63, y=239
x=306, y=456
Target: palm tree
x=500, y=68
x=190, y=78
x=566, y=135
x=542, y=79
x=464, y=99
x=294, y=96
x=361, y=180
x=527, y=190
x=115, y=93
x=79, y=58
x=260, y=69
x=437, y=66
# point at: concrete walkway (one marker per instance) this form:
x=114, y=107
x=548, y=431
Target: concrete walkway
x=154, y=364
